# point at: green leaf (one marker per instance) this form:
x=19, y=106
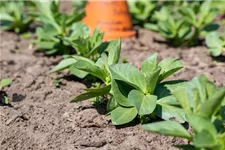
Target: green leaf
x=122, y=115
x=5, y=100
x=170, y=128
x=214, y=43
x=145, y=104
x=120, y=92
x=91, y=93
x=169, y=66
x=198, y=84
x=150, y=64
x=185, y=97
x=165, y=89
x=74, y=18
x=6, y=17
x=130, y=75
x=151, y=26
x=79, y=73
x=189, y=15
x=167, y=112
x=65, y=63
x=46, y=44
x=200, y=123
x=204, y=11
x=114, y=51
x=111, y=104
x=204, y=139
x=151, y=71
x=91, y=68
x=212, y=105
x=5, y=82
x=152, y=79
x=210, y=86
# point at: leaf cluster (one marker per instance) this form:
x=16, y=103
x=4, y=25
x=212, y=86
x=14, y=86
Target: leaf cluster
x=14, y=16
x=141, y=11
x=54, y=24
x=180, y=22
x=203, y=105
x=215, y=43
x=133, y=92
x=93, y=60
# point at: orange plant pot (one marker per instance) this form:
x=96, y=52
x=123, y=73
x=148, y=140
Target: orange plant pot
x=112, y=17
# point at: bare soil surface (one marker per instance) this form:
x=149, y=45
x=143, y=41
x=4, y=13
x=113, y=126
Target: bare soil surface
x=40, y=116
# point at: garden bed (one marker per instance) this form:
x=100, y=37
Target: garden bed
x=40, y=116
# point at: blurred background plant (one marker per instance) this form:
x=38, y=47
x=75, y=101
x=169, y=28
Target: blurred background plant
x=54, y=23
x=180, y=22
x=15, y=16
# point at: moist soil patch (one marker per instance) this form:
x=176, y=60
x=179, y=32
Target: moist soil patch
x=41, y=117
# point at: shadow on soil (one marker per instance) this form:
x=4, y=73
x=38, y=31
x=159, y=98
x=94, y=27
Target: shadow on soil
x=219, y=59
x=18, y=97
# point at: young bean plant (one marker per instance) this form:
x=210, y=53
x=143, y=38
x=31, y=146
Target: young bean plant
x=54, y=24
x=204, y=107
x=186, y=24
x=89, y=48
x=3, y=96
x=14, y=17
x=133, y=92
x=215, y=43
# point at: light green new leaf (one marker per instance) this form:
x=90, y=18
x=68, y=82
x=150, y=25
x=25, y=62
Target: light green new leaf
x=150, y=64
x=151, y=71
x=185, y=97
x=122, y=115
x=5, y=82
x=114, y=51
x=6, y=17
x=204, y=11
x=210, y=86
x=79, y=30
x=79, y=73
x=204, y=139
x=214, y=43
x=91, y=93
x=152, y=80
x=212, y=105
x=199, y=124
x=130, y=75
x=145, y=104
x=102, y=62
x=198, y=84
x=65, y=63
x=91, y=68
x=170, y=128
x=169, y=66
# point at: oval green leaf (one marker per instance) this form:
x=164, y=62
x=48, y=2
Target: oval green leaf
x=122, y=115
